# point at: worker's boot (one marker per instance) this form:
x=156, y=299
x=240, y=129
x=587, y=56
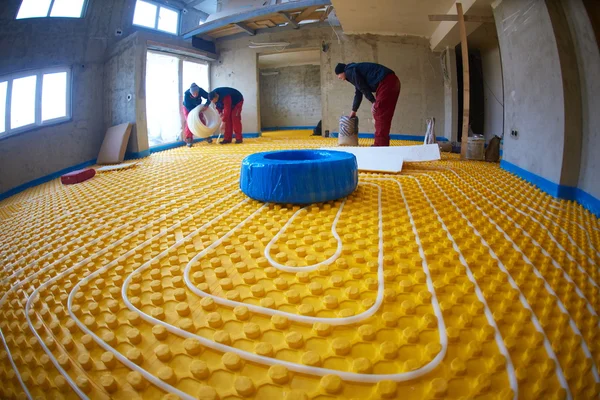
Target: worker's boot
x=238, y=141
x=225, y=141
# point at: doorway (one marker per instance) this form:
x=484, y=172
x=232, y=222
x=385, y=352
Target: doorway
x=486, y=106
x=290, y=89
x=168, y=76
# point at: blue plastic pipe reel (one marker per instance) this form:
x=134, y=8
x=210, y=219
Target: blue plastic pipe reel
x=299, y=176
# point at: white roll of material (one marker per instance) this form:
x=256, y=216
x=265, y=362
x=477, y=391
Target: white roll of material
x=197, y=127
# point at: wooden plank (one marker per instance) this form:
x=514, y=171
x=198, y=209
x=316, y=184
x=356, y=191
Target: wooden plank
x=304, y=14
x=262, y=17
x=267, y=22
x=466, y=85
x=254, y=25
x=468, y=18
x=278, y=19
x=245, y=28
x=231, y=30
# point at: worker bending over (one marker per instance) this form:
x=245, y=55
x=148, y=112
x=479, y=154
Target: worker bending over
x=192, y=98
x=368, y=78
x=228, y=102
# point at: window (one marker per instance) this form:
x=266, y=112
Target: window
x=34, y=98
x=54, y=96
x=51, y=8
x=155, y=16
x=168, y=76
x=22, y=102
x=194, y=72
x=3, y=90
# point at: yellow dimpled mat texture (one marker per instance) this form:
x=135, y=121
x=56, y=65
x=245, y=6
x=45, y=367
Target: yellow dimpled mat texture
x=452, y=280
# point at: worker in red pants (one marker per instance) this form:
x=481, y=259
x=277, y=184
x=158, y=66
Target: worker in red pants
x=368, y=78
x=229, y=102
x=192, y=98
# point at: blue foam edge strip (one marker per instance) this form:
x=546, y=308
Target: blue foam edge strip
x=128, y=156
x=393, y=136
x=287, y=128
x=555, y=190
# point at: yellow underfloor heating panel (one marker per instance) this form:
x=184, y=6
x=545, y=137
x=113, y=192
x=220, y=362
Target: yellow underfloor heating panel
x=451, y=280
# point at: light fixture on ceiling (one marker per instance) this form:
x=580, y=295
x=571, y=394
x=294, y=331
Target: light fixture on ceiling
x=271, y=73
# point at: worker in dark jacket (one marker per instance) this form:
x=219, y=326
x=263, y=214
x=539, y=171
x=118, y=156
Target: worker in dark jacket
x=192, y=98
x=228, y=102
x=369, y=78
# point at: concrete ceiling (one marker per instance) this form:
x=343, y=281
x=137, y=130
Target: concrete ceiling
x=409, y=17
x=390, y=17
x=289, y=59
x=483, y=38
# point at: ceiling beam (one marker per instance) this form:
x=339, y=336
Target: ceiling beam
x=467, y=18
x=447, y=32
x=245, y=28
x=289, y=20
x=253, y=13
x=307, y=11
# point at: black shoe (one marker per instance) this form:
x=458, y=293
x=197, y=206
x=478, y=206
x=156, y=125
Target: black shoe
x=209, y=140
x=239, y=141
x=188, y=144
x=225, y=142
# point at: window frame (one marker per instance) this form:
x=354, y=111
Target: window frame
x=83, y=14
x=38, y=123
x=181, y=58
x=157, y=16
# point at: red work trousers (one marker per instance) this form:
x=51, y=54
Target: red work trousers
x=188, y=135
x=232, y=119
x=383, y=109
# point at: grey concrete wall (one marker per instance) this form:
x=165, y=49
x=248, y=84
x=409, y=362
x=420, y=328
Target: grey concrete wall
x=542, y=89
x=79, y=43
x=119, y=88
x=292, y=97
x=417, y=67
x=534, y=98
x=588, y=60
x=493, y=97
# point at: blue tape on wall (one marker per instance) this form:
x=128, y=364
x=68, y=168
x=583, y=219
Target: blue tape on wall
x=554, y=189
x=393, y=136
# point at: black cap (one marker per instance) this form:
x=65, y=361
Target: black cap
x=340, y=68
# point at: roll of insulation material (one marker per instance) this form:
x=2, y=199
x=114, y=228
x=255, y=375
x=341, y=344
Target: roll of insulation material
x=348, y=131
x=299, y=176
x=212, y=118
